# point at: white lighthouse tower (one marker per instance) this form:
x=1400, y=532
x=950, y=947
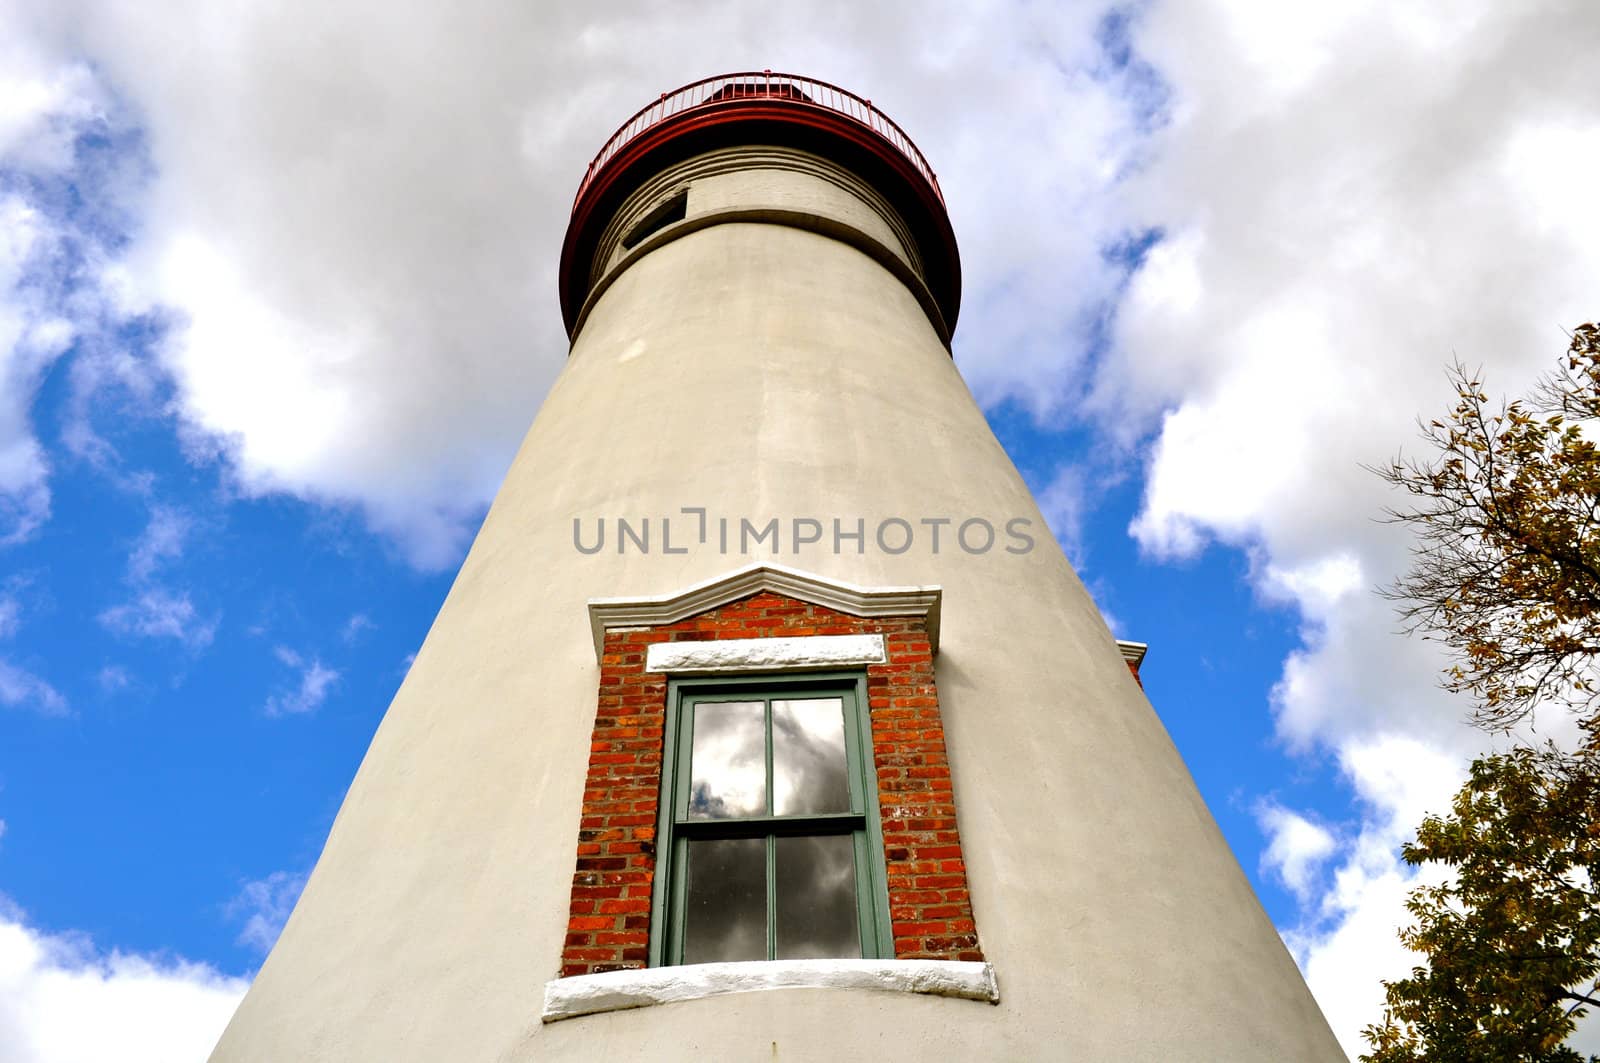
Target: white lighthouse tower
x=765, y=720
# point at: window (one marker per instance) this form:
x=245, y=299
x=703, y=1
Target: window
x=769, y=841
x=673, y=208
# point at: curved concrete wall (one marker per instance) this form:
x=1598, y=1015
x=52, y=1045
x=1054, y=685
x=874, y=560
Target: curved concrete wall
x=762, y=178
x=763, y=370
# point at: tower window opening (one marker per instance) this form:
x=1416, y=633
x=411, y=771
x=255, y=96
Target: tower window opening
x=663, y=214
x=770, y=845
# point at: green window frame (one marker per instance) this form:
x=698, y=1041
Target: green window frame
x=678, y=828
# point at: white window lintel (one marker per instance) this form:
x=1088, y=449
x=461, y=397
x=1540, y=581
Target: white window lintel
x=717, y=656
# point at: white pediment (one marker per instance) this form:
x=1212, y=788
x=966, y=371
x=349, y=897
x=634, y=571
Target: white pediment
x=610, y=613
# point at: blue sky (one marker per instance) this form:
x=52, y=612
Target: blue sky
x=277, y=302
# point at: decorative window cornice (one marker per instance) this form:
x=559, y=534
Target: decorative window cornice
x=1133, y=652
x=613, y=613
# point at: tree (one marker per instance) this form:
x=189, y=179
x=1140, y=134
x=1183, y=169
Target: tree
x=1513, y=942
x=1507, y=567
x=1507, y=574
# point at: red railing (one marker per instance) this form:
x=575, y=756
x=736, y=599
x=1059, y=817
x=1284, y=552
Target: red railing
x=760, y=85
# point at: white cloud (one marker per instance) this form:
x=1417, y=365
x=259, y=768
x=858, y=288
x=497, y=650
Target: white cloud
x=21, y=689
x=157, y=610
x=1319, y=586
x=51, y=245
x=162, y=541
x=1349, y=195
x=1346, y=941
x=42, y=107
x=314, y=684
x=157, y=613
x=265, y=904
x=1297, y=847
x=353, y=627
x=30, y=340
x=1338, y=224
x=360, y=261
x=64, y=1001
x=1064, y=503
x=112, y=678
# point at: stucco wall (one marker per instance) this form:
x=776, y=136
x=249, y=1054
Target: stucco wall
x=762, y=370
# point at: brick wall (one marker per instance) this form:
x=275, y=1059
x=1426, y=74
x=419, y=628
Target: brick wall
x=929, y=905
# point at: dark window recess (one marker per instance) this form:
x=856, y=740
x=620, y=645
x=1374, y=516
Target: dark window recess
x=662, y=215
x=770, y=843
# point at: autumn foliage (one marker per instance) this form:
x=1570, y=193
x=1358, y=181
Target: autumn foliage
x=1506, y=574
x=1513, y=940
x=1507, y=567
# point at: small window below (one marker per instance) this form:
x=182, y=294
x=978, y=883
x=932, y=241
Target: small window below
x=770, y=835
x=661, y=215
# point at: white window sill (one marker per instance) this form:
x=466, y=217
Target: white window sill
x=587, y=994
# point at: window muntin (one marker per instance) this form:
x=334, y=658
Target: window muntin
x=769, y=840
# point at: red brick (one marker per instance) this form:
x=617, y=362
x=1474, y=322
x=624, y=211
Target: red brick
x=936, y=926
x=616, y=862
x=625, y=906
x=622, y=937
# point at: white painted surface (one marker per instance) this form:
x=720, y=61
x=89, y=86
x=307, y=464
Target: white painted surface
x=764, y=576
x=771, y=371
x=1133, y=652
x=764, y=655
x=566, y=998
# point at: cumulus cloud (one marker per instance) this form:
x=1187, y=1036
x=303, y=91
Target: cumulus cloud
x=351, y=233
x=1348, y=196
x=62, y=196
x=1296, y=848
x=353, y=230
x=310, y=689
x=1371, y=204
x=264, y=905
x=1318, y=274
x=30, y=339
x=1346, y=939
x=62, y=1000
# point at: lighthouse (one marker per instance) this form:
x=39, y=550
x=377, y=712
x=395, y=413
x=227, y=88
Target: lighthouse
x=765, y=719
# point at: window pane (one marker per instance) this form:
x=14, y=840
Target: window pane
x=728, y=760
x=808, y=761
x=725, y=900
x=817, y=898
